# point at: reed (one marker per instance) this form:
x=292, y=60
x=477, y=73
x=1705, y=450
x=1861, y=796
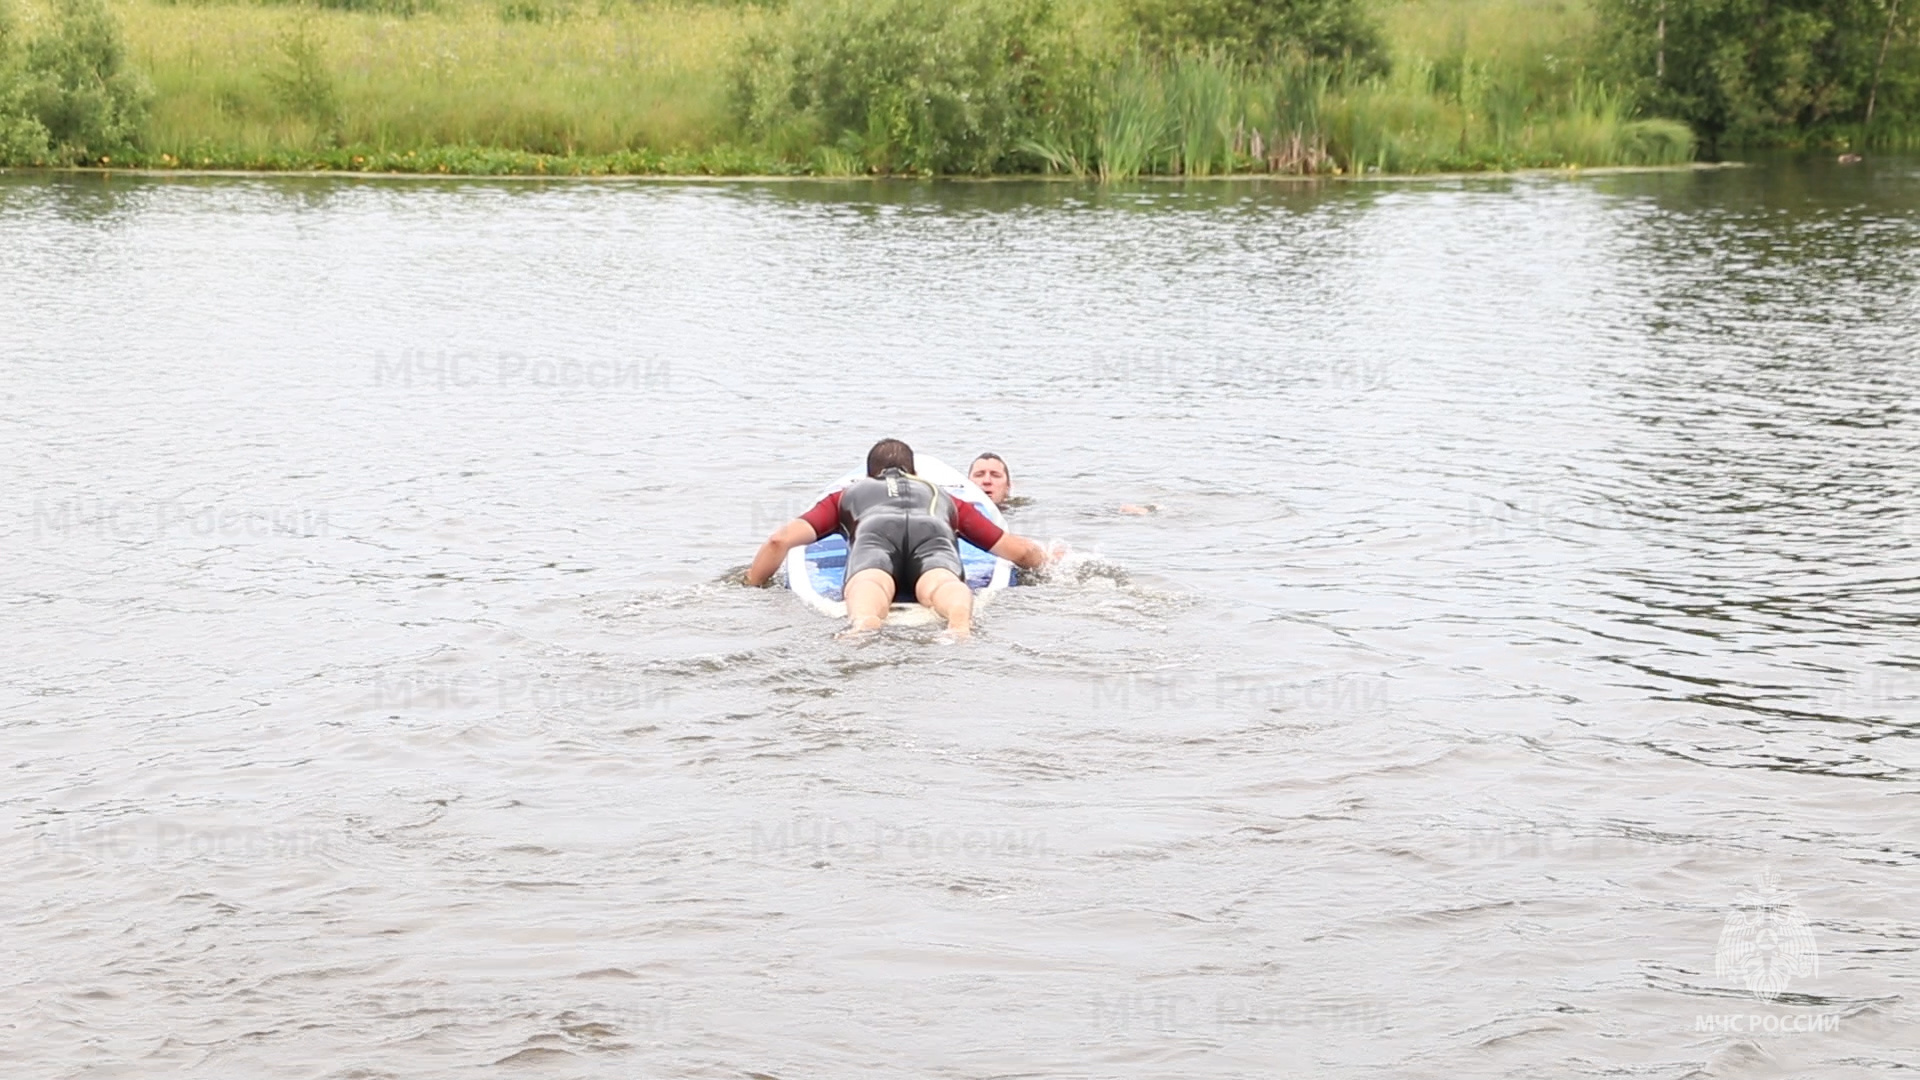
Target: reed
x=1201, y=115
x=1132, y=134
x=1204, y=95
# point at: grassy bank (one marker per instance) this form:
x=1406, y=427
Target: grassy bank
x=669, y=86
x=466, y=87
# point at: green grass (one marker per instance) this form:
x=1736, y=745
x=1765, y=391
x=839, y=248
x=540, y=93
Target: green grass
x=595, y=82
x=586, y=87
x=1544, y=34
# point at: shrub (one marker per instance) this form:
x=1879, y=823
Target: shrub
x=1655, y=142
x=68, y=94
x=405, y=9
x=535, y=11
x=927, y=86
x=1260, y=29
x=303, y=85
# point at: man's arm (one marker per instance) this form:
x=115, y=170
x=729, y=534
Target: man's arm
x=1022, y=552
x=795, y=533
x=818, y=521
x=981, y=532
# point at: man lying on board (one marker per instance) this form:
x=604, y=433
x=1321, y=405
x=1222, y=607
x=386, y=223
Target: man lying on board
x=900, y=539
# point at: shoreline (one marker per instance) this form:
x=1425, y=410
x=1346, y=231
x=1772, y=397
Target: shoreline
x=1564, y=172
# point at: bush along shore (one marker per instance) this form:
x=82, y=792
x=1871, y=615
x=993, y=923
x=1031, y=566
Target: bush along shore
x=1111, y=89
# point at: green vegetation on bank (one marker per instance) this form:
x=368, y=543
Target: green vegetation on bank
x=996, y=86
x=1109, y=88
x=1770, y=72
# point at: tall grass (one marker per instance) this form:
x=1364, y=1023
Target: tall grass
x=1203, y=115
x=1132, y=135
x=1203, y=94
x=1545, y=36
x=238, y=80
x=1492, y=118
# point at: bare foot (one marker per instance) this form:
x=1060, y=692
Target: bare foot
x=859, y=630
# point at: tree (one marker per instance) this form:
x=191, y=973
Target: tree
x=1757, y=70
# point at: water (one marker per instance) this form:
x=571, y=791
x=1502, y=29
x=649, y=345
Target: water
x=1532, y=588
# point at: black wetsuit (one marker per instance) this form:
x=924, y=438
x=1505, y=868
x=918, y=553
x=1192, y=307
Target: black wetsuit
x=901, y=524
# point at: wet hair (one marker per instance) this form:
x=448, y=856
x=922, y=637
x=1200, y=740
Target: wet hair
x=889, y=454
x=991, y=456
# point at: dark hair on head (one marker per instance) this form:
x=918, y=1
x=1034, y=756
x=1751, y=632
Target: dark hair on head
x=889, y=454
x=991, y=456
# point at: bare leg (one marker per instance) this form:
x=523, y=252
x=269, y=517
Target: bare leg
x=869, y=594
x=949, y=598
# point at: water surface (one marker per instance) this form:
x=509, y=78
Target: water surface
x=1532, y=587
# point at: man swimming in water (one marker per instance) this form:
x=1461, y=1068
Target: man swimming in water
x=900, y=533
x=990, y=474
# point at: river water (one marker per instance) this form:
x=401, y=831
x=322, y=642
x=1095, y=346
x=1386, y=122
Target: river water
x=1519, y=674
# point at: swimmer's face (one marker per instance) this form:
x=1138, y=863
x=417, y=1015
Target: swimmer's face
x=990, y=476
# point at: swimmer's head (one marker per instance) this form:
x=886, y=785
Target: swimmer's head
x=889, y=454
x=989, y=473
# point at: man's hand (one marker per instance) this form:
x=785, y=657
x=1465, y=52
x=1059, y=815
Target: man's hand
x=1025, y=553
x=793, y=534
